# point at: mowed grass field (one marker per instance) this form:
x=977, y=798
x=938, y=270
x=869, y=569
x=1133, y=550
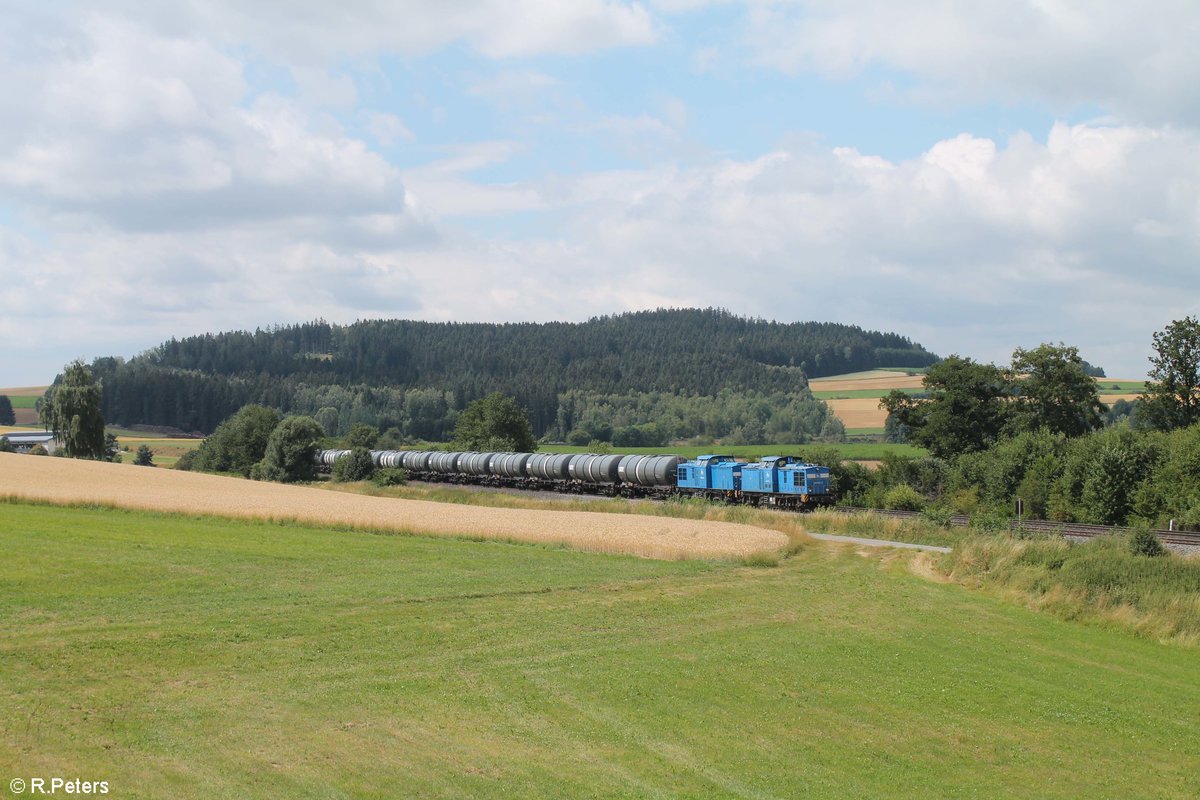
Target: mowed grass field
x=183, y=657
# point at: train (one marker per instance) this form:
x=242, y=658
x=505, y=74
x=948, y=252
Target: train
x=780, y=481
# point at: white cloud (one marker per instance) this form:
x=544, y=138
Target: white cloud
x=1090, y=237
x=388, y=128
x=1136, y=59
x=317, y=32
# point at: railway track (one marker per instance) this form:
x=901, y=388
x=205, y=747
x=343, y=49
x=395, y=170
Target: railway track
x=1074, y=529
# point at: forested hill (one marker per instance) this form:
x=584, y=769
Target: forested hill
x=195, y=382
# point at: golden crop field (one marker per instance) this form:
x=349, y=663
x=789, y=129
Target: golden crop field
x=60, y=480
x=883, y=380
x=858, y=412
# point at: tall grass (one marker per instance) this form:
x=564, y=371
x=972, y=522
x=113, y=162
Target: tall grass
x=1098, y=581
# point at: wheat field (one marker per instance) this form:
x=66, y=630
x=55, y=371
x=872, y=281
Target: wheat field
x=67, y=481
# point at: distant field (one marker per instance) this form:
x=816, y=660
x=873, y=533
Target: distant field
x=874, y=394
x=854, y=398
x=177, y=657
x=166, y=451
x=14, y=392
x=1120, y=387
x=23, y=401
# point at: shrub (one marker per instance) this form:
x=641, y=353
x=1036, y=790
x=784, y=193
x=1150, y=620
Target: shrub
x=1145, y=543
x=389, y=476
x=990, y=520
x=938, y=515
x=144, y=457
x=291, y=451
x=903, y=497
x=38, y=450
x=354, y=466
x=239, y=442
x=5, y=445
x=186, y=461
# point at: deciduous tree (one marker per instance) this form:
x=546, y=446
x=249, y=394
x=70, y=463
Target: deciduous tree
x=71, y=409
x=494, y=423
x=1055, y=390
x=966, y=409
x=1172, y=398
x=291, y=451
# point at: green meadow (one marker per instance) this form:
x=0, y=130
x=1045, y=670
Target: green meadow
x=186, y=657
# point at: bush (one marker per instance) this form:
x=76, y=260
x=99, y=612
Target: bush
x=354, y=466
x=186, y=461
x=291, y=451
x=239, y=442
x=938, y=515
x=991, y=520
x=389, y=476
x=362, y=435
x=38, y=450
x=5, y=445
x=1145, y=543
x=903, y=497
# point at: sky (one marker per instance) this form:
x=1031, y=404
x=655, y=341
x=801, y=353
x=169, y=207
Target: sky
x=975, y=176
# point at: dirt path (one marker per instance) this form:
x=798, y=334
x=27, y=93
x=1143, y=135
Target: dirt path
x=125, y=485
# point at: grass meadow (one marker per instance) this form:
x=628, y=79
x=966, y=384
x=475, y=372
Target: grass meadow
x=180, y=657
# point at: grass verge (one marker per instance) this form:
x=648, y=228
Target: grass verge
x=1098, y=581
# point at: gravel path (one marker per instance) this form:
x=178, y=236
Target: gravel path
x=830, y=537
x=64, y=480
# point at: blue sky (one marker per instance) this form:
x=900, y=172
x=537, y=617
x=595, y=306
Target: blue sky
x=978, y=177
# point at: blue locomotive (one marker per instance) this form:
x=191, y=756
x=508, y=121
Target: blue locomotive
x=782, y=481
x=773, y=480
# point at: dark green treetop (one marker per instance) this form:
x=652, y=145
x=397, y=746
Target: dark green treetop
x=494, y=423
x=1055, y=391
x=967, y=408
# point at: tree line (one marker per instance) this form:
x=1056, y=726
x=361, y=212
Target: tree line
x=418, y=376
x=1037, y=431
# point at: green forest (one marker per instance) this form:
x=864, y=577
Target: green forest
x=636, y=379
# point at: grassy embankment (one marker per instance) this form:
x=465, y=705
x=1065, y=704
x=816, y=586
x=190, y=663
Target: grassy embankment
x=182, y=657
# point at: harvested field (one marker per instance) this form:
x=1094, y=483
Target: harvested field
x=25, y=416
x=859, y=412
x=877, y=379
x=61, y=480
x=25, y=391
x=1112, y=398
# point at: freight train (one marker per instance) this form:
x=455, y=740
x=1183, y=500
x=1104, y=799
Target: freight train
x=782, y=481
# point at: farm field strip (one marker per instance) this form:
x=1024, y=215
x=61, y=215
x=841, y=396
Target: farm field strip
x=196, y=658
x=24, y=391
x=125, y=485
